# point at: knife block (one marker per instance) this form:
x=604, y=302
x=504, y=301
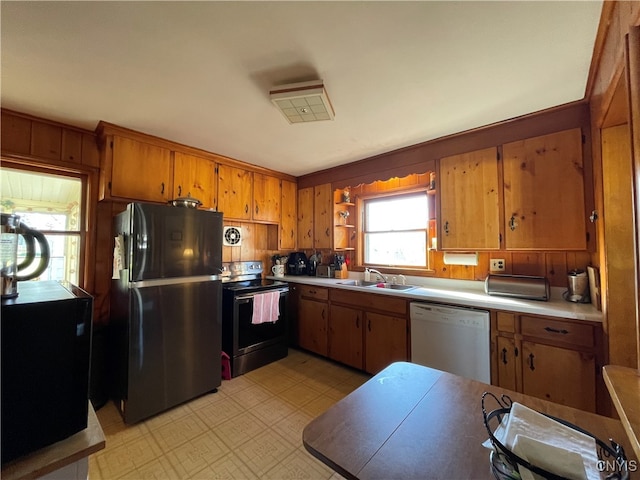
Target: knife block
x=343, y=273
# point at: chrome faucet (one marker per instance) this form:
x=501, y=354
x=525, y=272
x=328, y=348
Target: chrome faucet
x=403, y=279
x=378, y=274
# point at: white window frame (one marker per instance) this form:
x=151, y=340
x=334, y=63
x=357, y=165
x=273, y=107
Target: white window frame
x=364, y=229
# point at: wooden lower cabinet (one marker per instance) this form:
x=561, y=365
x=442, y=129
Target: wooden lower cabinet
x=313, y=320
x=363, y=330
x=560, y=375
x=507, y=356
x=549, y=358
x=385, y=341
x=345, y=335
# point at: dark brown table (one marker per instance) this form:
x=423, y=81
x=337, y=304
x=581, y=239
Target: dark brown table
x=410, y=422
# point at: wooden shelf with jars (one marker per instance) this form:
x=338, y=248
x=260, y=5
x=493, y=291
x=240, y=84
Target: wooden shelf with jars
x=344, y=229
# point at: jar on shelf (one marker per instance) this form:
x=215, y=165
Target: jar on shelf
x=346, y=196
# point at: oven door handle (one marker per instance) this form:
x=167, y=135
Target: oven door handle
x=251, y=295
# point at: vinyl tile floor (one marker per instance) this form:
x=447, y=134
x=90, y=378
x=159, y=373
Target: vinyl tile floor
x=250, y=428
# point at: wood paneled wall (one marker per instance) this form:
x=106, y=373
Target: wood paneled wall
x=610, y=93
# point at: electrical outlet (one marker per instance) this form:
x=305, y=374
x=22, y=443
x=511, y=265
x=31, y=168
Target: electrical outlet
x=497, y=265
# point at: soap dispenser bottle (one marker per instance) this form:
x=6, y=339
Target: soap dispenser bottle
x=367, y=275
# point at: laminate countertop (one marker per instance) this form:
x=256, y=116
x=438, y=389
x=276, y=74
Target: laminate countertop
x=465, y=293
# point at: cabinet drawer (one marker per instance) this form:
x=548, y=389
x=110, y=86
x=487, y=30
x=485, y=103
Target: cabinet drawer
x=314, y=292
x=370, y=301
x=558, y=330
x=506, y=322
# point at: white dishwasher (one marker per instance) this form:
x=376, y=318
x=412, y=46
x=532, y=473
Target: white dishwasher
x=452, y=339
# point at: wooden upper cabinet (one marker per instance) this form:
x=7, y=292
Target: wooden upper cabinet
x=46, y=140
x=544, y=199
x=469, y=201
x=305, y=218
x=323, y=216
x=71, y=146
x=194, y=176
x=266, y=198
x=140, y=171
x=288, y=216
x=16, y=134
x=234, y=192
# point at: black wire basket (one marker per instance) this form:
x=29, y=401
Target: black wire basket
x=504, y=463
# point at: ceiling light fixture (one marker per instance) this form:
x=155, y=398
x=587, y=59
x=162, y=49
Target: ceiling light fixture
x=303, y=102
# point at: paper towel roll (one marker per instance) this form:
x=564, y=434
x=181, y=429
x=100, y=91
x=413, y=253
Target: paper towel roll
x=461, y=258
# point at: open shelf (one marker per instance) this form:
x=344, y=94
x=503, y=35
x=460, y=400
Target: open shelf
x=344, y=225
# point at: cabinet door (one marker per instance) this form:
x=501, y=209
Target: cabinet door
x=385, y=341
x=71, y=146
x=16, y=134
x=266, y=198
x=46, y=140
x=322, y=216
x=538, y=173
x=194, y=176
x=345, y=335
x=288, y=216
x=234, y=192
x=469, y=201
x=140, y=171
x=305, y=218
x=507, y=355
x=559, y=375
x=312, y=326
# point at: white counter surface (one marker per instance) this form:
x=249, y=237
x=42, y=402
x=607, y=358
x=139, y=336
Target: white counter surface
x=464, y=293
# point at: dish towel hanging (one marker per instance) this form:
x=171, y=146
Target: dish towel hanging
x=266, y=307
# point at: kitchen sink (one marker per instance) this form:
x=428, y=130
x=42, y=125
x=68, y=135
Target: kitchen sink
x=393, y=286
x=358, y=283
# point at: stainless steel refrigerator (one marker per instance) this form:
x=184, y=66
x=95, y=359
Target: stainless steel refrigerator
x=165, y=307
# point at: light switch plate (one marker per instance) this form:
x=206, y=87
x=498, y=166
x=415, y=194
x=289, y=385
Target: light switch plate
x=497, y=265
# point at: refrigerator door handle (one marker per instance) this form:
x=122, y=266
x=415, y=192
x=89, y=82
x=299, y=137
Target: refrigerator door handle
x=158, y=282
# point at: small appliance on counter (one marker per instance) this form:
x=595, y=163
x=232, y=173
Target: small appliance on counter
x=297, y=264
x=518, y=286
x=578, y=284
x=312, y=268
x=325, y=271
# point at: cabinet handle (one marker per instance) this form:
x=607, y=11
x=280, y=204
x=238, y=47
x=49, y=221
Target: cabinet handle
x=369, y=325
x=327, y=232
x=555, y=330
x=504, y=356
x=446, y=228
x=179, y=190
x=309, y=234
x=162, y=188
x=323, y=313
x=531, y=366
x=515, y=352
x=512, y=223
x=246, y=208
x=312, y=292
x=257, y=208
x=358, y=321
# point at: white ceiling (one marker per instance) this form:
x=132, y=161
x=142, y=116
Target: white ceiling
x=199, y=73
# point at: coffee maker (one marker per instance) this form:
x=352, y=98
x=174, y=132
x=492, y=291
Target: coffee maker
x=578, y=287
x=297, y=264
